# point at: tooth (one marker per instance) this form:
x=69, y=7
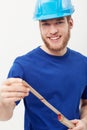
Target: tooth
x=54, y=38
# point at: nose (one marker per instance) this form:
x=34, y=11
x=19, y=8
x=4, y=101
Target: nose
x=53, y=29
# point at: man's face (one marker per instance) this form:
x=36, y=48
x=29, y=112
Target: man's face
x=56, y=33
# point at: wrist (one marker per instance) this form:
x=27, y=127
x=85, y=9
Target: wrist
x=84, y=120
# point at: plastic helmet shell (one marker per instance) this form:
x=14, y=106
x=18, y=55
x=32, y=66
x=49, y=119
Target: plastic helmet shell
x=49, y=9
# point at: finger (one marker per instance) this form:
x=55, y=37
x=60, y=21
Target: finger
x=14, y=99
x=15, y=88
x=12, y=80
x=75, y=121
x=14, y=94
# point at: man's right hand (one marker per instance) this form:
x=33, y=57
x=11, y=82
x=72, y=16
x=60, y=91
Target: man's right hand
x=13, y=89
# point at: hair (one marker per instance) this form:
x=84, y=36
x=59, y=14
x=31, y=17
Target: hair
x=68, y=18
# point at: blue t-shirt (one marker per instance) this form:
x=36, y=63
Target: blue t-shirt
x=61, y=80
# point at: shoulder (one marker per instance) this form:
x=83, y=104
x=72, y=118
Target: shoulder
x=77, y=55
x=28, y=56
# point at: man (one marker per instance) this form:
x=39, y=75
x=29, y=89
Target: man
x=58, y=73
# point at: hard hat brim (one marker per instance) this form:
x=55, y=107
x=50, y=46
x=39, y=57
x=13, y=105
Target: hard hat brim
x=52, y=16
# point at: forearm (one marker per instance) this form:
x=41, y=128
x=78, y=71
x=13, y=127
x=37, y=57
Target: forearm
x=84, y=111
x=6, y=111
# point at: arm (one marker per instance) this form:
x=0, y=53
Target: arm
x=6, y=110
x=11, y=90
x=84, y=111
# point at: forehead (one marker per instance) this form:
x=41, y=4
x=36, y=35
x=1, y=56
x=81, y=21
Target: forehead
x=53, y=20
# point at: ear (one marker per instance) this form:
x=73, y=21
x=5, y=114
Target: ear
x=71, y=23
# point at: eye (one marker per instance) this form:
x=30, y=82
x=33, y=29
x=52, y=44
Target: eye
x=60, y=22
x=45, y=24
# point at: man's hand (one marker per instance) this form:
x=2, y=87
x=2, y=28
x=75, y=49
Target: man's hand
x=13, y=89
x=79, y=125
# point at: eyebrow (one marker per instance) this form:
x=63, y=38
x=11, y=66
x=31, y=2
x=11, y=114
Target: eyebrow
x=57, y=19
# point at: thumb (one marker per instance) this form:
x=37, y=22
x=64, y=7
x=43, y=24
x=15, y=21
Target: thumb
x=75, y=121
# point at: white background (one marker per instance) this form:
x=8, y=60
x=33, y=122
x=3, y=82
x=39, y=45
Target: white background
x=20, y=34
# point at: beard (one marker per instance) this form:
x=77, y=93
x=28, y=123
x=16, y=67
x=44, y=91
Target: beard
x=57, y=47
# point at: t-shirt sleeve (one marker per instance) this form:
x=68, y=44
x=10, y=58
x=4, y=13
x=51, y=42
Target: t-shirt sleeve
x=16, y=71
x=84, y=95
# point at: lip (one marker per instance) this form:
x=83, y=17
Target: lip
x=55, y=39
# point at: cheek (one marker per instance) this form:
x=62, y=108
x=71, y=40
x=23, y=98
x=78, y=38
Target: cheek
x=44, y=32
x=65, y=31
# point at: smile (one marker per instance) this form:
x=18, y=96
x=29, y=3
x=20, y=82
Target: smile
x=55, y=38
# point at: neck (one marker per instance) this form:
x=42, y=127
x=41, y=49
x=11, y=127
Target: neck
x=54, y=52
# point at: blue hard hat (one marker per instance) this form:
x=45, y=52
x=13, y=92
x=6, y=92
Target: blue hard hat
x=48, y=9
